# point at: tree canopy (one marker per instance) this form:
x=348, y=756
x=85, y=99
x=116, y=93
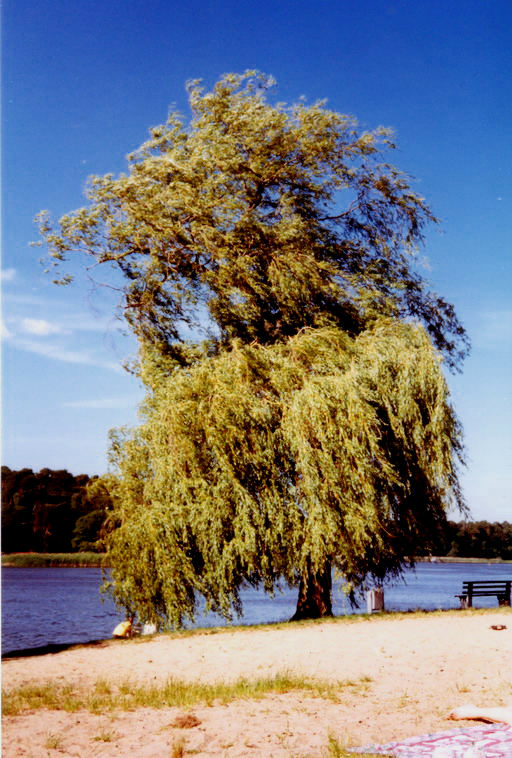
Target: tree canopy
x=297, y=416
x=266, y=217
x=269, y=462
x=51, y=511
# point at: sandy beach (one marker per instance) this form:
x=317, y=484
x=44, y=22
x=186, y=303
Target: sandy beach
x=402, y=675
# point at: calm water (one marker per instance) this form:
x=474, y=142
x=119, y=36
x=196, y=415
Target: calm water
x=43, y=606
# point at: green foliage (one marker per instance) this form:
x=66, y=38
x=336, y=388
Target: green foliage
x=256, y=461
x=87, y=530
x=312, y=426
x=51, y=511
x=479, y=539
x=265, y=217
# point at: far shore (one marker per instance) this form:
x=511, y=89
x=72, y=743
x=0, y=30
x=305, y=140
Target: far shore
x=98, y=560
x=54, y=560
x=394, y=676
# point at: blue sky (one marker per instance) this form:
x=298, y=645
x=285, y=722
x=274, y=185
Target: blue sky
x=82, y=83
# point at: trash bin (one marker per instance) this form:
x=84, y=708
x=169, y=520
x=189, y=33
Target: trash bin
x=375, y=600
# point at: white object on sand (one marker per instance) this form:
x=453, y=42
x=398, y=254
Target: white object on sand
x=499, y=714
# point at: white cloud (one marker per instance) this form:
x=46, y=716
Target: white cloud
x=4, y=331
x=62, y=332
x=61, y=317
x=39, y=327
x=104, y=402
x=7, y=274
x=59, y=353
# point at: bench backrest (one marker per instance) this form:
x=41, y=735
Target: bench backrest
x=487, y=585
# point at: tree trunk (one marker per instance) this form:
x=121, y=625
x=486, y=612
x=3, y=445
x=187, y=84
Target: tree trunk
x=315, y=594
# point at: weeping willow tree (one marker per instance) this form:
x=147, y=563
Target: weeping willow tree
x=307, y=423
x=280, y=462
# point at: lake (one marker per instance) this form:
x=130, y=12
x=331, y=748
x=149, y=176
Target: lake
x=48, y=606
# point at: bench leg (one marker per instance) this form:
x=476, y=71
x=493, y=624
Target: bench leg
x=463, y=601
x=503, y=600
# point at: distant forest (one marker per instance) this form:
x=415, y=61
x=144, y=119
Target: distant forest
x=56, y=512
x=51, y=511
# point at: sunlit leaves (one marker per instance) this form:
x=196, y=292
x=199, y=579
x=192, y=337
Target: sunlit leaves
x=312, y=426
x=251, y=463
x=269, y=217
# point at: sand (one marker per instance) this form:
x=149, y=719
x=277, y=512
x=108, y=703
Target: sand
x=407, y=673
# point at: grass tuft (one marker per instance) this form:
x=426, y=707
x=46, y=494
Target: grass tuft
x=336, y=750
x=54, y=697
x=105, y=736
x=53, y=741
x=107, y=696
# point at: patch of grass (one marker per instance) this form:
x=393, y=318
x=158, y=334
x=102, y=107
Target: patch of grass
x=103, y=687
x=172, y=693
x=106, y=736
x=53, y=741
x=54, y=697
x=336, y=750
x=51, y=560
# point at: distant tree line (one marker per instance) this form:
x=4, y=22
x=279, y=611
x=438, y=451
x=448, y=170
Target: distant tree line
x=475, y=539
x=54, y=511
x=51, y=511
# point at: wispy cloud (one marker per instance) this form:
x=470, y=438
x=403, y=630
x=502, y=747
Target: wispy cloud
x=39, y=327
x=7, y=274
x=28, y=312
x=61, y=333
x=104, y=402
x=60, y=353
x=4, y=331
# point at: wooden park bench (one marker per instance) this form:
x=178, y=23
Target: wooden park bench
x=499, y=588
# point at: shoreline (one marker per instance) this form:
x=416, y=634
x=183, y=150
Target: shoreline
x=54, y=560
x=97, y=560
x=58, y=647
